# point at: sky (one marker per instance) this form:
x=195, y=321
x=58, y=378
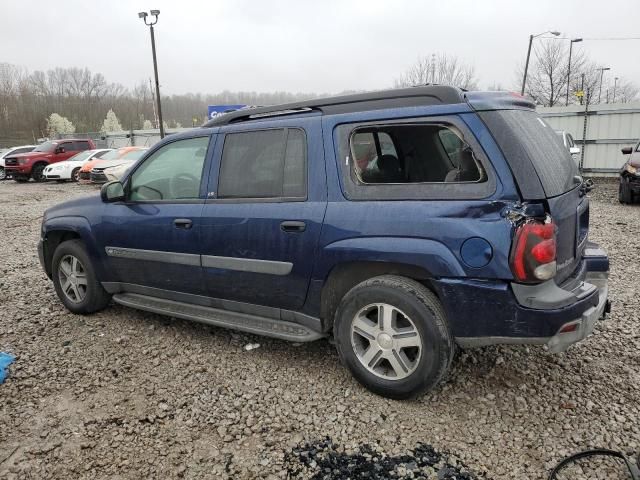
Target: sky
x=326, y=46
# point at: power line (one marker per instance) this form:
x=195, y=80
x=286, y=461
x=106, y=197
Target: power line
x=594, y=38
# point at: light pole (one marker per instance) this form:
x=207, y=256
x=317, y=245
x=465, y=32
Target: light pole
x=615, y=85
x=575, y=40
x=526, y=64
x=601, y=75
x=154, y=14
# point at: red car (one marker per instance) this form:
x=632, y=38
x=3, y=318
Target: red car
x=32, y=164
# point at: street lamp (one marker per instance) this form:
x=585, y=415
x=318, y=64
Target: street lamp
x=575, y=40
x=615, y=85
x=151, y=23
x=526, y=65
x=601, y=75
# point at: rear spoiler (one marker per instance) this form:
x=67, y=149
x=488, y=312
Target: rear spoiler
x=482, y=101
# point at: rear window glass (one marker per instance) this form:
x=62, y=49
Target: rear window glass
x=523, y=135
x=427, y=153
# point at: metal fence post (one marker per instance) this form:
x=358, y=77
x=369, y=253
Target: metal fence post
x=584, y=130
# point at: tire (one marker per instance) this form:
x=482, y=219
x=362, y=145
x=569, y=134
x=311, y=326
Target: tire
x=414, y=309
x=37, y=173
x=624, y=192
x=20, y=179
x=3, y=174
x=84, y=293
x=74, y=174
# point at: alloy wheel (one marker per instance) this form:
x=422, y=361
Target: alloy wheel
x=73, y=278
x=386, y=341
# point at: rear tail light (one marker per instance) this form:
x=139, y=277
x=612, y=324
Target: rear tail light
x=533, y=251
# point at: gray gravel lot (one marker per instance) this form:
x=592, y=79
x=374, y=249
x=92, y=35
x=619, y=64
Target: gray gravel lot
x=128, y=394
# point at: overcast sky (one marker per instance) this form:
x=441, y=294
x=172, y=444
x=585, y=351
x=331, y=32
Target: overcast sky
x=304, y=45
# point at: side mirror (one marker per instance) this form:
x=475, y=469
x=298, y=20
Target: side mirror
x=112, y=192
x=574, y=150
x=60, y=150
x=626, y=150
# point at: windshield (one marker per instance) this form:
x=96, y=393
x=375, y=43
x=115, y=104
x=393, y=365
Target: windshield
x=78, y=157
x=133, y=155
x=46, y=147
x=112, y=155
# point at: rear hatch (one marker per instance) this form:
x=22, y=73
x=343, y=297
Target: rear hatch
x=545, y=171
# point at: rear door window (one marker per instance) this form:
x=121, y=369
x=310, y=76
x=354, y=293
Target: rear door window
x=263, y=164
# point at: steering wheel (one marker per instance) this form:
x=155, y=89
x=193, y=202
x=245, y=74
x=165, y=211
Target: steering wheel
x=182, y=185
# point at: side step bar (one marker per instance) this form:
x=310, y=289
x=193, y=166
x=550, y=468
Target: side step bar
x=220, y=318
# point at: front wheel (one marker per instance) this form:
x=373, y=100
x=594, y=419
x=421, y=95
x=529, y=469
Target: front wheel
x=392, y=334
x=3, y=174
x=75, y=280
x=624, y=192
x=38, y=173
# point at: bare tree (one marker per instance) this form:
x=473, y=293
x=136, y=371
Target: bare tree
x=625, y=91
x=441, y=69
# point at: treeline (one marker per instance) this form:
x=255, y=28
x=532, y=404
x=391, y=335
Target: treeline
x=27, y=99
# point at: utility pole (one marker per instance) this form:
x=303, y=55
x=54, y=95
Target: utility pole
x=575, y=40
x=526, y=64
x=582, y=88
x=615, y=85
x=601, y=76
x=153, y=104
x=433, y=68
x=150, y=24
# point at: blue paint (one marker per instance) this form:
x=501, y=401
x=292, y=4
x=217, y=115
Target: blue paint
x=461, y=245
x=476, y=252
x=5, y=361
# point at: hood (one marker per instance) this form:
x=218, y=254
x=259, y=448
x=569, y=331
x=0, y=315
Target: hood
x=112, y=163
x=29, y=155
x=73, y=208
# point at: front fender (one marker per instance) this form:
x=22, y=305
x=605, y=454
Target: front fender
x=432, y=256
x=78, y=227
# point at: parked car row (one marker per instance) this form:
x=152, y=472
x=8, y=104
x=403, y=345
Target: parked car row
x=67, y=160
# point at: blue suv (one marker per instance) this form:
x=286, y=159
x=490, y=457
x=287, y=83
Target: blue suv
x=404, y=223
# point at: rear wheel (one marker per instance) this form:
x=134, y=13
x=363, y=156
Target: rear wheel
x=75, y=280
x=624, y=192
x=392, y=333
x=74, y=174
x=38, y=173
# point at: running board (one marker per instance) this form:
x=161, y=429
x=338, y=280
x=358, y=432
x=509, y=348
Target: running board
x=220, y=318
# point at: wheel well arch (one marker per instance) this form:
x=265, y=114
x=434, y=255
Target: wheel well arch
x=345, y=276
x=52, y=239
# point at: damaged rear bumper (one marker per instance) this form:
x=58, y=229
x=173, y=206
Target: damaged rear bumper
x=485, y=313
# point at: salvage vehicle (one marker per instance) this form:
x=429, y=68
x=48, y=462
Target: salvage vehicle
x=31, y=165
x=84, y=176
x=97, y=175
x=69, y=169
x=10, y=152
x=404, y=223
x=629, y=180
x=117, y=172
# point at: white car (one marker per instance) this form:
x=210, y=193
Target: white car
x=569, y=143
x=9, y=152
x=117, y=172
x=68, y=170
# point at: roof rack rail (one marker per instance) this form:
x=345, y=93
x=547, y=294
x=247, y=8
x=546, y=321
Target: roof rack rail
x=399, y=97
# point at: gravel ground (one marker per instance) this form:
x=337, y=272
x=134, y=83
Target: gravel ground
x=128, y=394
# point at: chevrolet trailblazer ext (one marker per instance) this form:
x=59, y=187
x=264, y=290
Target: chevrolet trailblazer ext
x=403, y=222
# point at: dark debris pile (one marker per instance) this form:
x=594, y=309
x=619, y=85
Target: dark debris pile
x=324, y=460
